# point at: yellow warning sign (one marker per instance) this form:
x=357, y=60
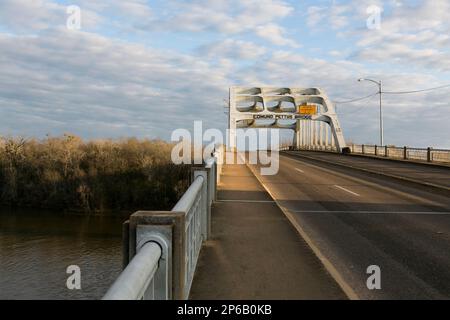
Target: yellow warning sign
x=307, y=109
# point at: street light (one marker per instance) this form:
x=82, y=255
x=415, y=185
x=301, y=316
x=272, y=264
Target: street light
x=381, y=110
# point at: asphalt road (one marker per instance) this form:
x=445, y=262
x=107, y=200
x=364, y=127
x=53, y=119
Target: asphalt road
x=434, y=174
x=354, y=220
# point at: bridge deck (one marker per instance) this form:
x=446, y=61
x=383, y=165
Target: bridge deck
x=356, y=220
x=255, y=252
x=416, y=171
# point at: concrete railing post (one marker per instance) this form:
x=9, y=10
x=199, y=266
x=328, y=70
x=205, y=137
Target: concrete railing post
x=362, y=149
x=386, y=151
x=429, y=158
x=166, y=228
x=405, y=153
x=376, y=150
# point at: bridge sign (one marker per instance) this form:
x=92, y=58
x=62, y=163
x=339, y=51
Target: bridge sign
x=307, y=110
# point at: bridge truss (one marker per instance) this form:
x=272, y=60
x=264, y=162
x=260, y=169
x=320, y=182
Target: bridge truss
x=273, y=107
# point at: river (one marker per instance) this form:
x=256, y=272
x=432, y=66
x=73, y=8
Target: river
x=36, y=247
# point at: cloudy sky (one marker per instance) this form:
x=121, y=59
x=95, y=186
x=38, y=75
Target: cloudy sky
x=143, y=68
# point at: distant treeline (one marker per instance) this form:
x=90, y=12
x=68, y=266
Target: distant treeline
x=67, y=173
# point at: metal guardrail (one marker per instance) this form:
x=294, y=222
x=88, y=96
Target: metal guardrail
x=136, y=282
x=161, y=248
x=319, y=148
x=194, y=204
x=405, y=153
x=309, y=148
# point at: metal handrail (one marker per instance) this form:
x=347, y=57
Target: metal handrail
x=149, y=273
x=194, y=204
x=189, y=197
x=136, y=281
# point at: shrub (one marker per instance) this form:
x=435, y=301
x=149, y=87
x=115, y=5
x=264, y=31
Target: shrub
x=95, y=176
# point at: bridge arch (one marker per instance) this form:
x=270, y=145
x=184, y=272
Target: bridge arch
x=276, y=105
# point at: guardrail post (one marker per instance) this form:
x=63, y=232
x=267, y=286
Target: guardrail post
x=405, y=153
x=362, y=149
x=376, y=150
x=386, y=151
x=206, y=199
x=219, y=162
x=125, y=244
x=429, y=159
x=214, y=182
x=162, y=281
x=166, y=228
x=211, y=167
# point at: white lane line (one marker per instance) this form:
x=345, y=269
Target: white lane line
x=378, y=186
x=349, y=191
x=299, y=170
x=374, y=212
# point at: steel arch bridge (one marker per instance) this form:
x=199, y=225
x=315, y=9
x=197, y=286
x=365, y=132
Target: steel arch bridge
x=275, y=107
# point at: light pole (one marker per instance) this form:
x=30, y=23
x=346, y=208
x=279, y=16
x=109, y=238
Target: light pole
x=381, y=110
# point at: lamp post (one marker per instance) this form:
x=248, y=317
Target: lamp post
x=381, y=110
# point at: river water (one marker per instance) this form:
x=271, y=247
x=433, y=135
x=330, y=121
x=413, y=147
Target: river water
x=36, y=247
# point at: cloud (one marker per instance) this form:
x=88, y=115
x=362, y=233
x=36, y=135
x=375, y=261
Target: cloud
x=334, y=16
x=135, y=8
x=118, y=13
x=276, y=35
x=400, y=53
x=232, y=49
x=80, y=82
x=315, y=15
x=34, y=16
x=410, y=35
x=229, y=17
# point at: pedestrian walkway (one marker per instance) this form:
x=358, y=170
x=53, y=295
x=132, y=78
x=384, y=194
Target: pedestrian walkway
x=255, y=253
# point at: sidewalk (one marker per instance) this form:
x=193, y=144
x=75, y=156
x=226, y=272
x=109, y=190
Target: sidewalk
x=255, y=253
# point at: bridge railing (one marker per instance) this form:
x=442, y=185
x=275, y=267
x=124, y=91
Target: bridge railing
x=318, y=148
x=161, y=248
x=309, y=148
x=405, y=153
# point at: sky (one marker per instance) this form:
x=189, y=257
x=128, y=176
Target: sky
x=145, y=68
